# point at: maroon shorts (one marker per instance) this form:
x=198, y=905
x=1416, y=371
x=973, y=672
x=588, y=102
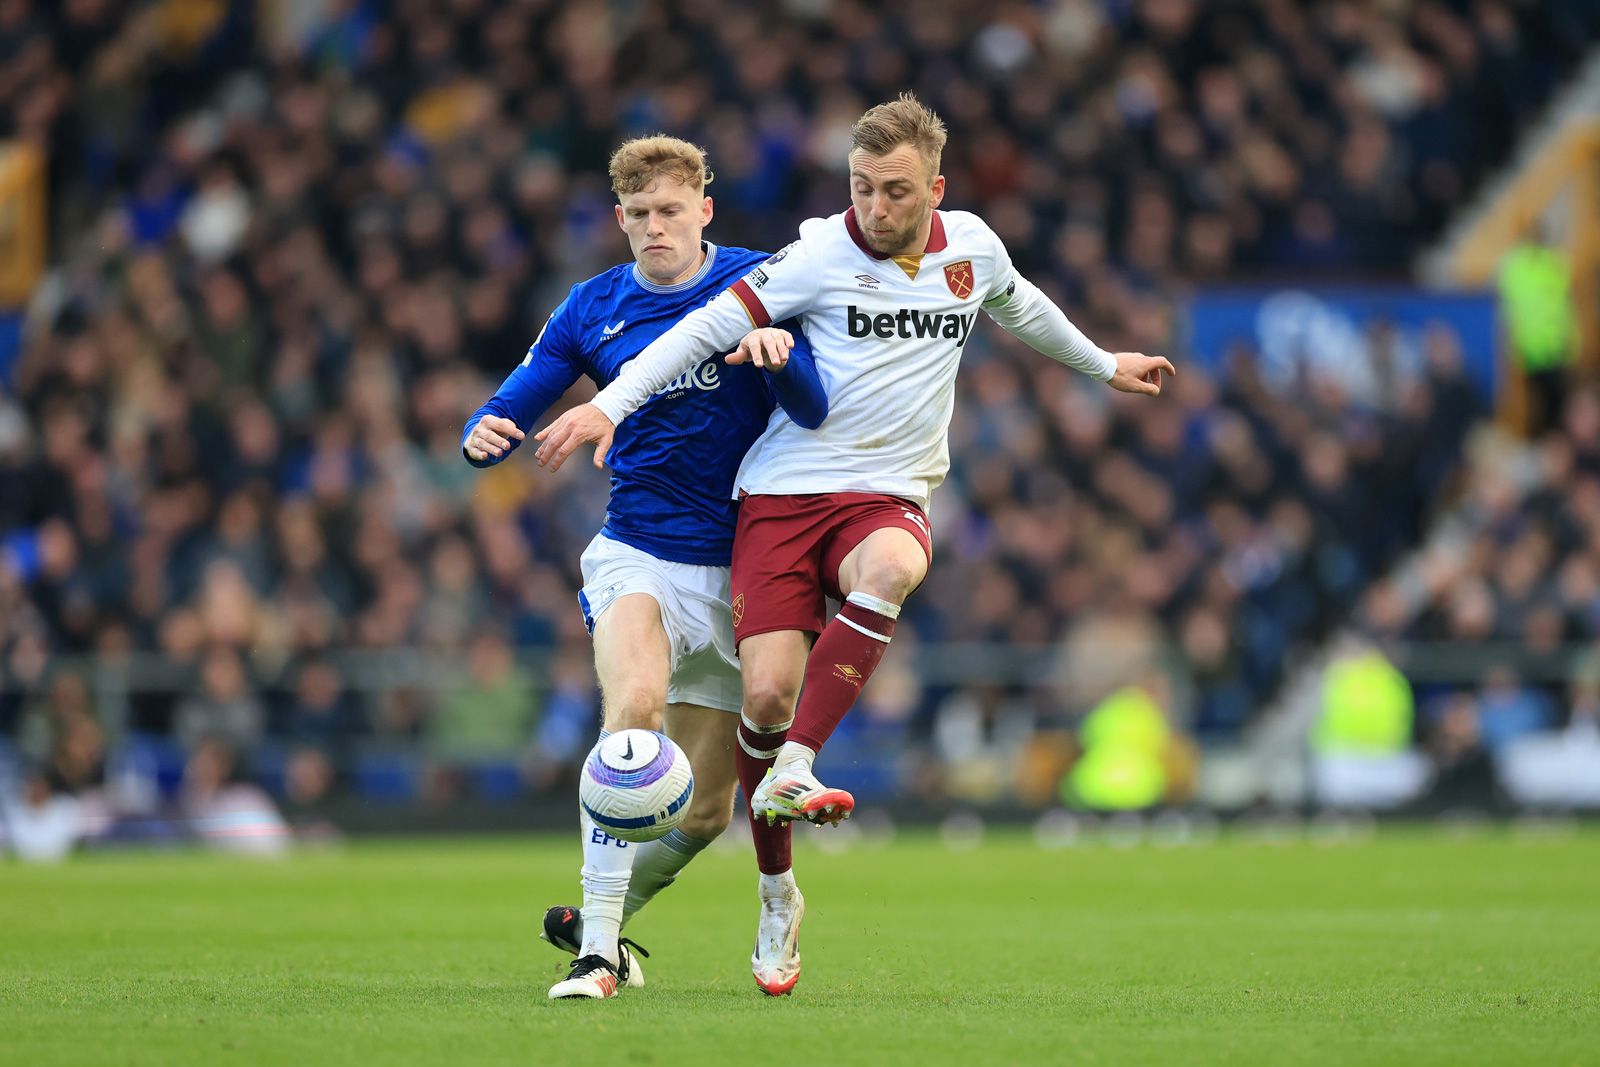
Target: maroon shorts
x=787, y=551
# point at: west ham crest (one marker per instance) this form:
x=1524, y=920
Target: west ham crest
x=958, y=276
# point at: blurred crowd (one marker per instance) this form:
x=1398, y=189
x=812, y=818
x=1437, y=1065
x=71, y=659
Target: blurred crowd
x=295, y=244
x=1514, y=592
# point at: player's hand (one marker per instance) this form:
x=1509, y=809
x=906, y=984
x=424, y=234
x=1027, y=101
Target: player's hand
x=767, y=347
x=491, y=437
x=584, y=423
x=1139, y=373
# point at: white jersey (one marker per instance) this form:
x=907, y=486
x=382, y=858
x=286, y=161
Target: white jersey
x=887, y=333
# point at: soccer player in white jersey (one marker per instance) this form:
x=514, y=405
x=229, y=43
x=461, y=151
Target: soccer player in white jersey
x=887, y=293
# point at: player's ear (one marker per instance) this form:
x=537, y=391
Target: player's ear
x=620, y=224
x=936, y=194
x=706, y=212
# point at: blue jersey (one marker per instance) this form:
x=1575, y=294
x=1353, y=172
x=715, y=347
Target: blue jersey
x=673, y=461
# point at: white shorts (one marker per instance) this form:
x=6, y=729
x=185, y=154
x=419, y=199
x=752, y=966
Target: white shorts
x=694, y=610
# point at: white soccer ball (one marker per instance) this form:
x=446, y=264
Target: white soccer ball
x=636, y=785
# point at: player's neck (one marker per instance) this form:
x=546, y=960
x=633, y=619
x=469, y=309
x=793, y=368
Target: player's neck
x=920, y=244
x=682, y=276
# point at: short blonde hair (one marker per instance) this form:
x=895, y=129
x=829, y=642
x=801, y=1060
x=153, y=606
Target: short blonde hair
x=643, y=160
x=904, y=121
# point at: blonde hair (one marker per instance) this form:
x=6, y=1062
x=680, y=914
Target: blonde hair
x=637, y=163
x=904, y=121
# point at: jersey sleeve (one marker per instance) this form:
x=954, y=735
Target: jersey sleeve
x=550, y=368
x=716, y=327
x=782, y=286
x=779, y=287
x=797, y=387
x=1027, y=314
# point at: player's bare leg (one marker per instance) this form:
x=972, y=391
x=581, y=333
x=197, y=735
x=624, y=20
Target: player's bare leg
x=633, y=659
x=773, y=666
x=876, y=577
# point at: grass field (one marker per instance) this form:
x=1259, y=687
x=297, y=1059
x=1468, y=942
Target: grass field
x=1408, y=949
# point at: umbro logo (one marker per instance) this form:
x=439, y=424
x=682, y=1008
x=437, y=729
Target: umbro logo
x=611, y=331
x=867, y=281
x=845, y=672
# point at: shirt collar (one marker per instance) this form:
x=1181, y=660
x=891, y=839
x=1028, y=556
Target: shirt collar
x=688, y=283
x=937, y=242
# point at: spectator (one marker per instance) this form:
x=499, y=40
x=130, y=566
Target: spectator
x=488, y=712
x=319, y=728
x=225, y=811
x=1536, y=300
x=224, y=708
x=39, y=823
x=1463, y=774
x=1508, y=710
x=321, y=717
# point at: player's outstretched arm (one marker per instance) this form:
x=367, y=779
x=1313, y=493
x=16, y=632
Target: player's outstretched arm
x=1031, y=316
x=713, y=328
x=1139, y=373
x=548, y=370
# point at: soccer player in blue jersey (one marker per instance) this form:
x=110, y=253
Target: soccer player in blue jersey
x=655, y=594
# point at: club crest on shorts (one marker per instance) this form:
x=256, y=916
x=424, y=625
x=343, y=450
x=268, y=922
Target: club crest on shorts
x=738, y=609
x=958, y=276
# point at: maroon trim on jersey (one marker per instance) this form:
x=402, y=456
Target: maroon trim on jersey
x=854, y=227
x=937, y=242
x=752, y=304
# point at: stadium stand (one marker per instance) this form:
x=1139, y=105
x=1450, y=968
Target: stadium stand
x=293, y=246
x=1503, y=612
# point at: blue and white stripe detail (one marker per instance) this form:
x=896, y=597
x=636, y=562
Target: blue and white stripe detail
x=611, y=822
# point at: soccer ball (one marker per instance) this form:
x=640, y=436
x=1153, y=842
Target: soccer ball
x=636, y=785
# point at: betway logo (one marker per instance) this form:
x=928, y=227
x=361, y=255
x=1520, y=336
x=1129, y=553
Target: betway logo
x=908, y=323
x=702, y=377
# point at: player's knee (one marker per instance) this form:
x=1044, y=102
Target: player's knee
x=769, y=699
x=635, y=707
x=891, y=578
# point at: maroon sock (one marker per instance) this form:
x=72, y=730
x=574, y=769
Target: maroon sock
x=773, y=851
x=840, y=663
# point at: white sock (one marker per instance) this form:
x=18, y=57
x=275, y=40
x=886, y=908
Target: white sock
x=873, y=603
x=607, y=865
x=756, y=732
x=777, y=885
x=657, y=866
x=795, y=752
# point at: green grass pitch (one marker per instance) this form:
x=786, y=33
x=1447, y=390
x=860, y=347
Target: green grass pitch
x=1412, y=948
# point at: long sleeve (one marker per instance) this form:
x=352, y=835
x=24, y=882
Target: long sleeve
x=780, y=287
x=1028, y=314
x=797, y=387
x=549, y=369
x=716, y=327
